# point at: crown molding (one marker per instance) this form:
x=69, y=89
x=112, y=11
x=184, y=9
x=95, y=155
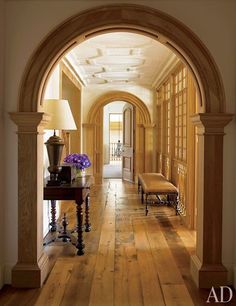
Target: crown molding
x=72, y=70
x=172, y=61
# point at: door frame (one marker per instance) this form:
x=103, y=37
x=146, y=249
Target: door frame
x=206, y=268
x=132, y=134
x=93, y=130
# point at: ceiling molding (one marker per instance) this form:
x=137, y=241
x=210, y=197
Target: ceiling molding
x=120, y=58
x=67, y=63
x=166, y=69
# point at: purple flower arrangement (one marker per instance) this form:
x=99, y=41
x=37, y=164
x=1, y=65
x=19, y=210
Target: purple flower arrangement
x=79, y=161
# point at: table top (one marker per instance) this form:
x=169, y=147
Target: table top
x=77, y=190
x=79, y=183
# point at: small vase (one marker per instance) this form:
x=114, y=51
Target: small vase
x=79, y=173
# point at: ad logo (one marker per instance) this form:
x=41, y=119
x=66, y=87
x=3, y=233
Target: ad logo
x=225, y=296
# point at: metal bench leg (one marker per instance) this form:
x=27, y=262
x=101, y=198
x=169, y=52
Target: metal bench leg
x=146, y=200
x=176, y=205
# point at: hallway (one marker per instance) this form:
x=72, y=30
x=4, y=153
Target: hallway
x=112, y=170
x=130, y=259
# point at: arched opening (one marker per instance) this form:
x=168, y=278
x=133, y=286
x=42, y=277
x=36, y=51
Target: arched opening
x=95, y=117
x=207, y=268
x=113, y=128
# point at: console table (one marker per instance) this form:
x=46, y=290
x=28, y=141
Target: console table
x=78, y=191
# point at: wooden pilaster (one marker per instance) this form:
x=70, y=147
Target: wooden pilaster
x=148, y=147
x=206, y=266
x=32, y=267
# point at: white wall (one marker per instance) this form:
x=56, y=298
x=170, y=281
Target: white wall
x=213, y=21
x=52, y=90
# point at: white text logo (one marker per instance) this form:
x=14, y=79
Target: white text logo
x=225, y=296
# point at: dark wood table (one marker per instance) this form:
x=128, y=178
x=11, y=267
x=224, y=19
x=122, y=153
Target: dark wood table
x=78, y=191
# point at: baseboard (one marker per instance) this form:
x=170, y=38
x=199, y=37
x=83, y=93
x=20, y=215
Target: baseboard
x=234, y=277
x=231, y=281
x=30, y=275
x=7, y=273
x=1, y=276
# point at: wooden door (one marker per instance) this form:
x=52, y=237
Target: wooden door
x=128, y=144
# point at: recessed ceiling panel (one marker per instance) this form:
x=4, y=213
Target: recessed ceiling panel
x=118, y=75
x=119, y=57
x=117, y=61
x=118, y=51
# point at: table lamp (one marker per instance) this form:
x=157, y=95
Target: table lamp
x=62, y=119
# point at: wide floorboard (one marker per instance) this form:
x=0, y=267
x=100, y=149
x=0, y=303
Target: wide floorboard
x=130, y=259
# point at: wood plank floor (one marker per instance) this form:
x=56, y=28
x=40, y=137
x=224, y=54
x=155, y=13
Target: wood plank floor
x=130, y=259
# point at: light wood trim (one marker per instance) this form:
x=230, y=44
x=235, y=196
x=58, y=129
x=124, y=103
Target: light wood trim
x=32, y=264
x=148, y=147
x=70, y=90
x=143, y=145
x=132, y=17
x=191, y=158
x=207, y=268
x=119, y=96
x=212, y=123
x=69, y=70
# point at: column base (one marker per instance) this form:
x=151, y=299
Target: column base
x=26, y=275
x=98, y=179
x=206, y=276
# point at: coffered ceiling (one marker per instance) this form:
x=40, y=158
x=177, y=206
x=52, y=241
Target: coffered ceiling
x=119, y=58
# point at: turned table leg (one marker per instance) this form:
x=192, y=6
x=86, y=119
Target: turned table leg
x=87, y=224
x=64, y=235
x=53, y=216
x=79, y=215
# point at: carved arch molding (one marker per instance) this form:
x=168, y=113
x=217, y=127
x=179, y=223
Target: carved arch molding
x=32, y=265
x=93, y=130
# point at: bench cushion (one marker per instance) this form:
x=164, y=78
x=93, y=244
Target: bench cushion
x=156, y=183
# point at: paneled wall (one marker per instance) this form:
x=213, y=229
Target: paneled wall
x=176, y=102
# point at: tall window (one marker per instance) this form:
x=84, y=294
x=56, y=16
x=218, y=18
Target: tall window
x=159, y=123
x=180, y=99
x=166, y=101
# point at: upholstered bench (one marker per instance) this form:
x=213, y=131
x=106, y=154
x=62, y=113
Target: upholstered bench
x=157, y=184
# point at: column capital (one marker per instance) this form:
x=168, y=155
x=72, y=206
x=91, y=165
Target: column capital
x=212, y=123
x=149, y=125
x=30, y=122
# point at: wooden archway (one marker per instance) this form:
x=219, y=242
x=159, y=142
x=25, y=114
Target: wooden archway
x=207, y=268
x=128, y=17
x=120, y=96
x=93, y=131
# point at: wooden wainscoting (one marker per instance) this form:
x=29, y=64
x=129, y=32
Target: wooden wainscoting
x=166, y=166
